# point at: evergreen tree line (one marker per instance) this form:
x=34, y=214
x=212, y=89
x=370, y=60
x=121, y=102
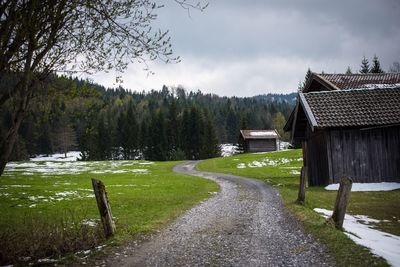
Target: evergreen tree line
x=74, y=114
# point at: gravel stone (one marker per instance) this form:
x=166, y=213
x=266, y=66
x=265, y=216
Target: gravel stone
x=245, y=224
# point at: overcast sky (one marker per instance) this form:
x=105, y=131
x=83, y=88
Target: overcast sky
x=245, y=48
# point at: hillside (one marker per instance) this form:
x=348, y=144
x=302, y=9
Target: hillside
x=171, y=123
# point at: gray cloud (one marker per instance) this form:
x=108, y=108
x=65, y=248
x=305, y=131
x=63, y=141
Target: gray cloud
x=253, y=47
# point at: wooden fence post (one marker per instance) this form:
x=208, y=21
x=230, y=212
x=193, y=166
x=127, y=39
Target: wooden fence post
x=302, y=186
x=104, y=207
x=342, y=200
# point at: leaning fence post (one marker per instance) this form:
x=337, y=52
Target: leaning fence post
x=342, y=200
x=302, y=186
x=104, y=207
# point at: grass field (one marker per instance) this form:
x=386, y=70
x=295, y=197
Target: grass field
x=48, y=208
x=282, y=170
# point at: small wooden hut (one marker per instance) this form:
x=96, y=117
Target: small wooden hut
x=349, y=125
x=259, y=140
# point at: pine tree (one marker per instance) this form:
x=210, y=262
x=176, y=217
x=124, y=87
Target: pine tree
x=157, y=144
x=196, y=130
x=210, y=140
x=103, y=141
x=376, y=65
x=232, y=126
x=185, y=133
x=365, y=66
x=172, y=130
x=143, y=137
x=306, y=79
x=130, y=134
x=348, y=70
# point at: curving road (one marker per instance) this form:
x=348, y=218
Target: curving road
x=243, y=225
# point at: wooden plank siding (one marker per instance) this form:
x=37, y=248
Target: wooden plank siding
x=261, y=145
x=370, y=155
x=317, y=159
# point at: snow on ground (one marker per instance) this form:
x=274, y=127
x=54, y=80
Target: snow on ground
x=357, y=228
x=49, y=168
x=283, y=145
x=266, y=162
x=228, y=150
x=71, y=156
x=360, y=187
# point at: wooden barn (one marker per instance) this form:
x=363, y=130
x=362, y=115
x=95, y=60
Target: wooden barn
x=349, y=125
x=259, y=140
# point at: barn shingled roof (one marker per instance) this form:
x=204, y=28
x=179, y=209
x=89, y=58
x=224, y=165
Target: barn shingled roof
x=352, y=108
x=369, y=80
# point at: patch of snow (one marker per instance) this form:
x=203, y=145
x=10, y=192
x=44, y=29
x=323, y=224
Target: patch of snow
x=256, y=164
x=67, y=193
x=143, y=171
x=228, y=150
x=241, y=166
x=283, y=145
x=46, y=260
x=380, y=243
x=71, y=156
x=89, y=222
x=295, y=172
x=269, y=133
x=121, y=185
x=50, y=168
x=146, y=163
x=379, y=86
x=361, y=187
x=17, y=185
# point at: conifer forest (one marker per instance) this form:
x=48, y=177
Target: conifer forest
x=167, y=124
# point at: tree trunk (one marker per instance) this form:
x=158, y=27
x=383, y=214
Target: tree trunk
x=7, y=143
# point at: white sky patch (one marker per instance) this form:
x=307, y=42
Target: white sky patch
x=380, y=243
x=360, y=187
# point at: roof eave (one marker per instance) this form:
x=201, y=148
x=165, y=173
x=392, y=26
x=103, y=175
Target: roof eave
x=307, y=110
x=314, y=76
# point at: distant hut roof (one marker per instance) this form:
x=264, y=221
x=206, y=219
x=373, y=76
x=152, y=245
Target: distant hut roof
x=352, y=81
x=259, y=134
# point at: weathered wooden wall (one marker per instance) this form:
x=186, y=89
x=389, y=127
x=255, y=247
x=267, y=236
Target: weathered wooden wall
x=317, y=159
x=261, y=145
x=370, y=155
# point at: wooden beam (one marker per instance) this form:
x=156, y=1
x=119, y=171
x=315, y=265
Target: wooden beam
x=342, y=199
x=104, y=207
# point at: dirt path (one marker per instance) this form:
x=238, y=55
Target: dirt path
x=243, y=225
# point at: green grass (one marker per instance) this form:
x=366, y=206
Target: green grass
x=281, y=169
x=53, y=209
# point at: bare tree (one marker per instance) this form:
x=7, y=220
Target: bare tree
x=40, y=37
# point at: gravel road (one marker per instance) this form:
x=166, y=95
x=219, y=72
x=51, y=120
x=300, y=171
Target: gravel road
x=243, y=225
